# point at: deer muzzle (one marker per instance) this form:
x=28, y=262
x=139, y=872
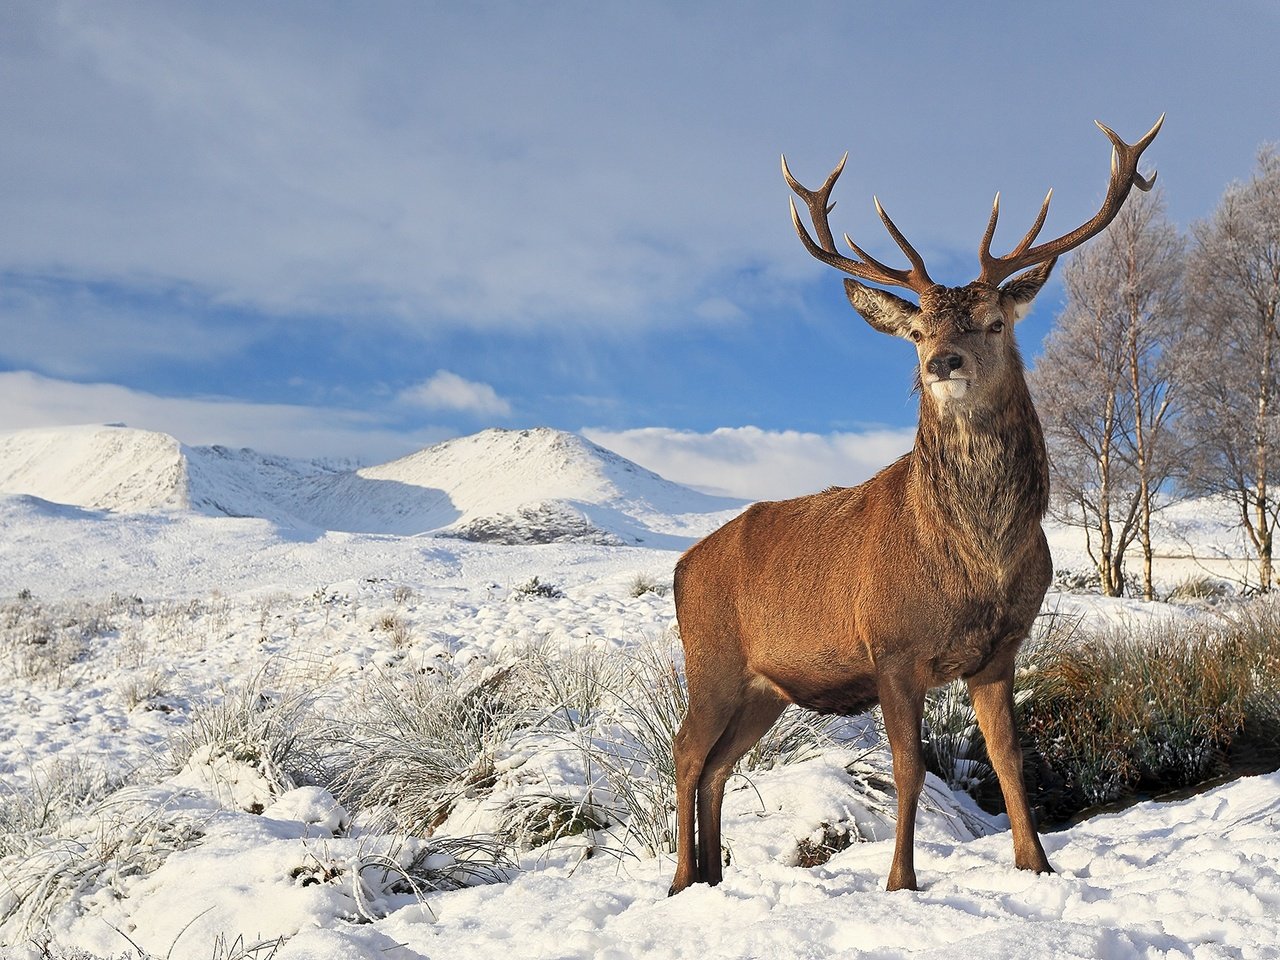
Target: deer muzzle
x=944, y=375
x=951, y=388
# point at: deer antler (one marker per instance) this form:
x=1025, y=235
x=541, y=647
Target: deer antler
x=1124, y=176
x=867, y=267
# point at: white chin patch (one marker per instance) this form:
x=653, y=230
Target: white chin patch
x=953, y=389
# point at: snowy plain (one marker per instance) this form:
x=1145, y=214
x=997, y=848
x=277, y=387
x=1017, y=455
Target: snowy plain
x=208, y=570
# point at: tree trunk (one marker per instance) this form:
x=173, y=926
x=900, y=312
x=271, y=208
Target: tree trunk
x=1105, y=536
x=1264, y=562
x=1140, y=442
x=1109, y=566
x=1262, y=521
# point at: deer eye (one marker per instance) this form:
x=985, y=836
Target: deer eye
x=916, y=336
x=996, y=327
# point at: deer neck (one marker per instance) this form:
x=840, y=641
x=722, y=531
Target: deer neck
x=980, y=481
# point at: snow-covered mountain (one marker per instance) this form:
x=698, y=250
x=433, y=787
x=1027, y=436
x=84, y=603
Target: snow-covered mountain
x=501, y=486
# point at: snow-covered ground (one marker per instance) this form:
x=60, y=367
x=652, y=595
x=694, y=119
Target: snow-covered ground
x=132, y=605
x=1191, y=539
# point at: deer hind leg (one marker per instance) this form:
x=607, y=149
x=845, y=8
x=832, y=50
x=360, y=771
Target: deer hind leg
x=705, y=721
x=903, y=707
x=758, y=712
x=992, y=694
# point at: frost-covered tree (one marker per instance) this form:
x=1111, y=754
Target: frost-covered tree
x=1077, y=384
x=1152, y=262
x=1232, y=417
x=1107, y=386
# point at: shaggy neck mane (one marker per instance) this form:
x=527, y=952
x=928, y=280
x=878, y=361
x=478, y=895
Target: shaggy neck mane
x=980, y=479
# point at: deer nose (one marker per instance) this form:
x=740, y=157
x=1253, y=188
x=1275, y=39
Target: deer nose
x=942, y=365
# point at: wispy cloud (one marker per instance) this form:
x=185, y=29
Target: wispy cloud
x=758, y=464
x=440, y=173
x=30, y=400
x=84, y=330
x=563, y=166
x=448, y=391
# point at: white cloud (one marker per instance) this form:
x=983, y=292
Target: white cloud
x=448, y=391
x=759, y=464
x=30, y=400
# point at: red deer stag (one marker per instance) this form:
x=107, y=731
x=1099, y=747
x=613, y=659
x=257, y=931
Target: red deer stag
x=933, y=569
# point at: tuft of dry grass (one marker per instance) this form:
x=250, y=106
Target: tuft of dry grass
x=419, y=743
x=1105, y=713
x=268, y=722
x=643, y=583
x=1200, y=588
x=395, y=627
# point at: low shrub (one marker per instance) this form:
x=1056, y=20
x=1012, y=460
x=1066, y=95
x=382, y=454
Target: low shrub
x=42, y=642
x=124, y=835
x=574, y=685
x=1103, y=713
x=535, y=587
x=823, y=844
x=55, y=792
x=637, y=760
x=1114, y=712
x=533, y=820
x=798, y=735
x=953, y=745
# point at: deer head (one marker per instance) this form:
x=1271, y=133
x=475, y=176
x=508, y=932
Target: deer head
x=963, y=335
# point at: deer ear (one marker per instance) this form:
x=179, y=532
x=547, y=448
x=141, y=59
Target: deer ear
x=1017, y=294
x=885, y=311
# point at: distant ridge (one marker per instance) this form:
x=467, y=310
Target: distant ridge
x=501, y=486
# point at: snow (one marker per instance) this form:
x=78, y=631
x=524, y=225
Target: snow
x=329, y=579
x=1198, y=878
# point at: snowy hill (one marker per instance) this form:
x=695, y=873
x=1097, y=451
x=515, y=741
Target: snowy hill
x=110, y=468
x=500, y=486
x=533, y=486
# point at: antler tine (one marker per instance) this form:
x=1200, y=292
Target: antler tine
x=1124, y=177
x=869, y=261
x=819, y=198
x=984, y=252
x=917, y=262
x=866, y=267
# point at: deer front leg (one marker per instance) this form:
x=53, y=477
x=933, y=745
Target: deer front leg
x=903, y=708
x=992, y=694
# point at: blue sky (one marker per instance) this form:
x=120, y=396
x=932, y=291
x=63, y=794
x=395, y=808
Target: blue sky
x=354, y=229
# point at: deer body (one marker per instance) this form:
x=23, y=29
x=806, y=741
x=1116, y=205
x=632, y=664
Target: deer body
x=853, y=616
x=933, y=569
